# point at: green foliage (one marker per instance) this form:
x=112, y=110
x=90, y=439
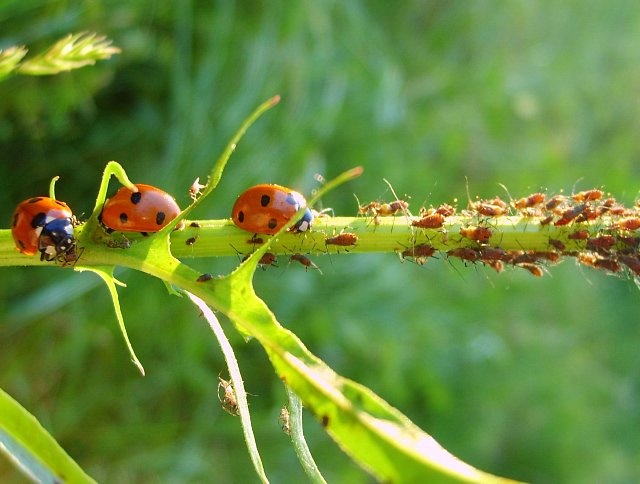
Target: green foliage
x=70, y=52
x=534, y=379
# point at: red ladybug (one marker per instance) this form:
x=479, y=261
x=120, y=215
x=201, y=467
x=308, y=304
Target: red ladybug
x=45, y=225
x=147, y=210
x=265, y=208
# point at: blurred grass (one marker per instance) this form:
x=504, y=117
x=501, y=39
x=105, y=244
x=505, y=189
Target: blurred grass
x=532, y=379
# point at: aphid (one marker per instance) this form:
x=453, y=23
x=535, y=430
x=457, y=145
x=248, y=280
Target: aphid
x=480, y=235
x=546, y=220
x=464, y=253
x=420, y=253
x=305, y=261
x=602, y=242
x=533, y=269
x=344, y=239
x=255, y=240
x=446, y=210
x=195, y=189
x=378, y=209
x=195, y=225
x=588, y=195
x=632, y=262
x=204, y=277
x=557, y=244
x=191, y=240
x=632, y=223
x=496, y=265
x=267, y=259
x=285, y=420
x=554, y=202
x=490, y=208
x=579, y=235
x=228, y=398
x=492, y=253
x=430, y=221
x=570, y=214
x=598, y=262
x=531, y=201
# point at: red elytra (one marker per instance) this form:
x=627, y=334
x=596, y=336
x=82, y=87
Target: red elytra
x=45, y=225
x=266, y=208
x=147, y=210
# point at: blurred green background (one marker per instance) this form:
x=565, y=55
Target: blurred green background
x=535, y=379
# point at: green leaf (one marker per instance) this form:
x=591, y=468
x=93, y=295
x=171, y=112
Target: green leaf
x=32, y=448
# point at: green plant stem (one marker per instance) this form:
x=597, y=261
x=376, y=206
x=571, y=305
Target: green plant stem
x=220, y=238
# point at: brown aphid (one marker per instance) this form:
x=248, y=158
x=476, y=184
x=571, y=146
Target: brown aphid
x=546, y=220
x=228, y=398
x=195, y=225
x=344, y=239
x=285, y=420
x=477, y=234
x=533, y=269
x=632, y=262
x=464, y=253
x=492, y=253
x=305, y=261
x=491, y=208
x=204, y=277
x=588, y=195
x=255, y=240
x=191, y=240
x=602, y=242
x=557, y=244
x=496, y=265
x=630, y=241
x=535, y=256
x=430, y=221
x=419, y=251
x=579, y=235
x=587, y=215
x=632, y=223
x=446, y=210
x=393, y=207
x=554, y=202
x=597, y=262
x=531, y=201
x=568, y=215
x=267, y=259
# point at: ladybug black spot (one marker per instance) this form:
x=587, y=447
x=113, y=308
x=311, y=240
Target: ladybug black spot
x=38, y=220
x=160, y=216
x=59, y=203
x=136, y=197
x=15, y=219
x=21, y=244
x=241, y=216
x=35, y=200
x=265, y=200
x=124, y=218
x=273, y=223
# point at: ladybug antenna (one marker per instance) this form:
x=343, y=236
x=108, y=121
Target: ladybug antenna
x=52, y=187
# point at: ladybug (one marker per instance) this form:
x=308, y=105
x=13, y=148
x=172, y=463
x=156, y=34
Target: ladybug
x=265, y=208
x=147, y=210
x=45, y=225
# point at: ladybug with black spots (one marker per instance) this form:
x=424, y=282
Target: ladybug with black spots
x=266, y=208
x=146, y=211
x=45, y=225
